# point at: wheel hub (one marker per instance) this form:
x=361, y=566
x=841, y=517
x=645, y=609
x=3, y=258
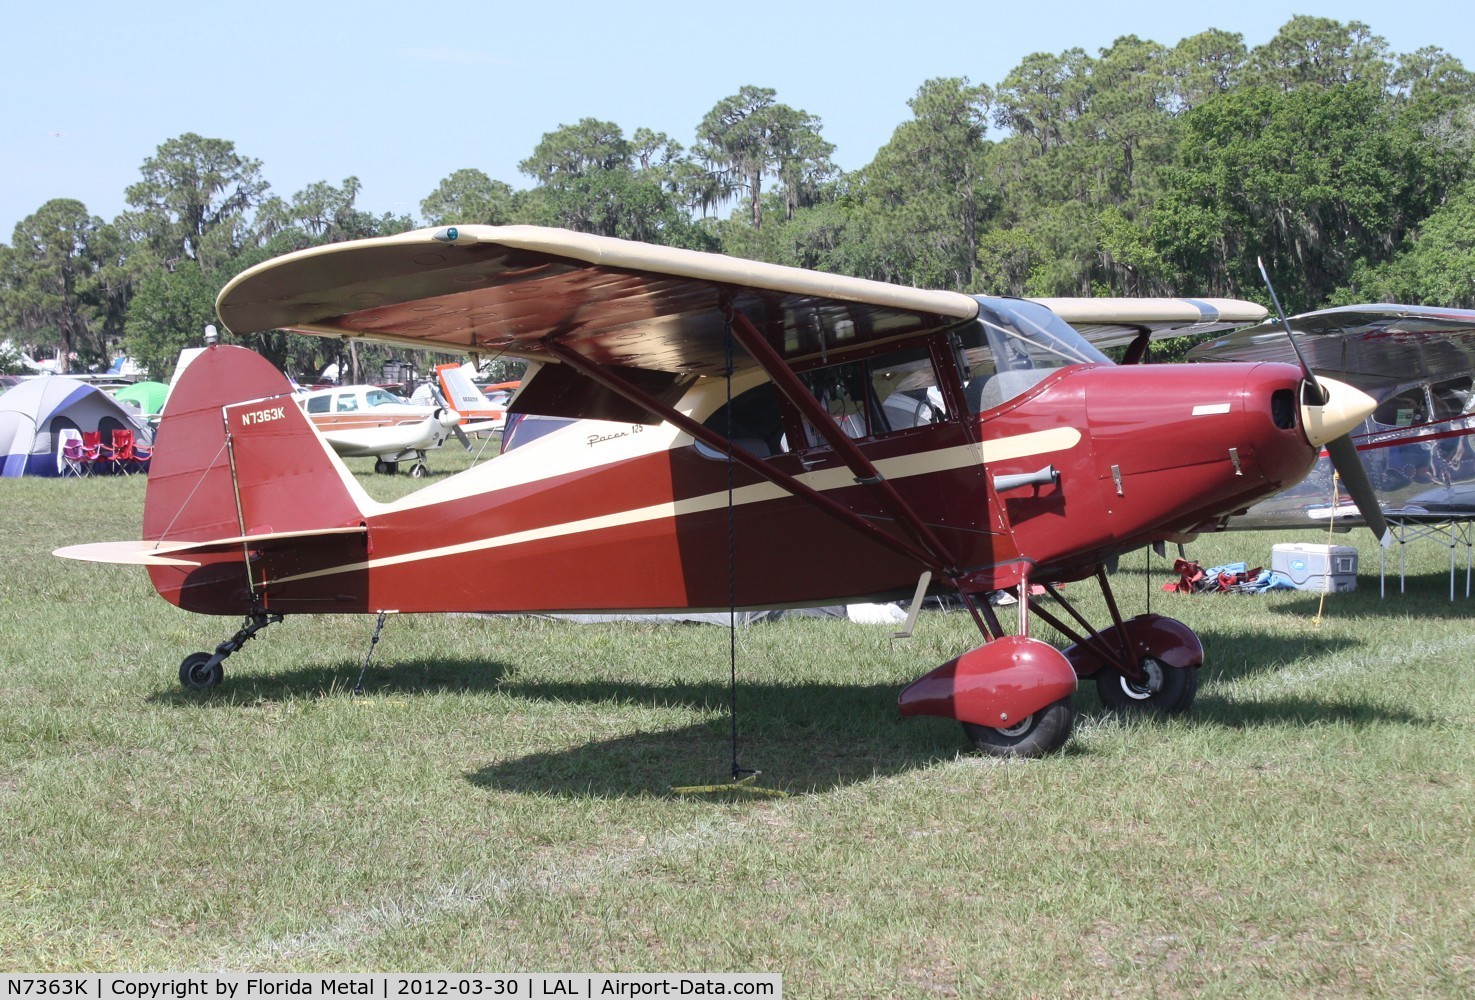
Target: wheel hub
x=1152, y=681
x=1019, y=728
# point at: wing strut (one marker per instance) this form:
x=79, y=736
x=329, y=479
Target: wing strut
x=740, y=455
x=855, y=460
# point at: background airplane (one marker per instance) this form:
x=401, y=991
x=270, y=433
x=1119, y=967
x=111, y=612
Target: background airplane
x=1418, y=365
x=751, y=459
x=480, y=412
x=368, y=421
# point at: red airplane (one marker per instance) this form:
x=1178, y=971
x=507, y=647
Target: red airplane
x=828, y=439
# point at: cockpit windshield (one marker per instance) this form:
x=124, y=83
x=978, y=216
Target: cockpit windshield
x=1025, y=334
x=1012, y=345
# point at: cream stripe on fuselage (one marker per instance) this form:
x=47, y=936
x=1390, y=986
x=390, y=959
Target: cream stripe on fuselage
x=902, y=467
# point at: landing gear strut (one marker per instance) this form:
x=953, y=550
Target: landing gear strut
x=388, y=465
x=1144, y=664
x=1013, y=694
x=202, y=671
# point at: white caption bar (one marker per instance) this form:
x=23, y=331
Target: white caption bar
x=236, y=986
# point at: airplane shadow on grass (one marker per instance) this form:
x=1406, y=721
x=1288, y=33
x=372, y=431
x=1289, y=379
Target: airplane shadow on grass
x=248, y=685
x=1236, y=656
x=816, y=738
x=803, y=737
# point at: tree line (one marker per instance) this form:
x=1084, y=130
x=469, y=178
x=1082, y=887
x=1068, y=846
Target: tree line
x=1143, y=170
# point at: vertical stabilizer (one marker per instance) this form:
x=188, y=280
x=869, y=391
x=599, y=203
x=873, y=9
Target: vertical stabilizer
x=235, y=455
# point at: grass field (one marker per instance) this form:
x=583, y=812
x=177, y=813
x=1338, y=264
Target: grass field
x=500, y=800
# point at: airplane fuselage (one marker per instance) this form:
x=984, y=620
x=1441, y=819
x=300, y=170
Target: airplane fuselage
x=603, y=517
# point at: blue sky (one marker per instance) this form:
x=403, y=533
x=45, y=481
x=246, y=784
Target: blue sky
x=401, y=94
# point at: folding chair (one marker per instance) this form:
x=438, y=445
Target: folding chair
x=120, y=453
x=91, y=449
x=142, y=455
x=71, y=456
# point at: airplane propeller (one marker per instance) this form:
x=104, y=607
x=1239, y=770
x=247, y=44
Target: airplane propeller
x=1329, y=411
x=451, y=420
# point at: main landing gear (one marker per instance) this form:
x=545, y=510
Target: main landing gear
x=1034, y=735
x=1013, y=694
x=388, y=467
x=202, y=671
x=1162, y=688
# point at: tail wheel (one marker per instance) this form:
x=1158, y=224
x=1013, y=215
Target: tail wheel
x=1164, y=689
x=196, y=674
x=1035, y=735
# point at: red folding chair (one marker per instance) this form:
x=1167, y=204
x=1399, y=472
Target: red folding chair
x=120, y=453
x=91, y=449
x=142, y=455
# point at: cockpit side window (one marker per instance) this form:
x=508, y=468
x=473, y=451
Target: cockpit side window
x=891, y=392
x=906, y=384
x=881, y=395
x=1404, y=409
x=1452, y=397
x=845, y=396
x=754, y=420
x=1010, y=347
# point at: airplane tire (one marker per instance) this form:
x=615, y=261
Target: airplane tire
x=194, y=675
x=1169, y=690
x=1038, y=734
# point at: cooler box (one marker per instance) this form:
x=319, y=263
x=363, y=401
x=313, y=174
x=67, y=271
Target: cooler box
x=1316, y=567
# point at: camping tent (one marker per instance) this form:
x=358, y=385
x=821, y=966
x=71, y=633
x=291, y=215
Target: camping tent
x=149, y=396
x=33, y=414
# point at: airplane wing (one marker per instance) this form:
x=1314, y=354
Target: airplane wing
x=393, y=439
x=1369, y=346
x=506, y=289
x=1110, y=322
x=655, y=315
x=503, y=289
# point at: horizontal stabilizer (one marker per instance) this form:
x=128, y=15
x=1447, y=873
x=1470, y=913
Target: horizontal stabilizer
x=159, y=553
